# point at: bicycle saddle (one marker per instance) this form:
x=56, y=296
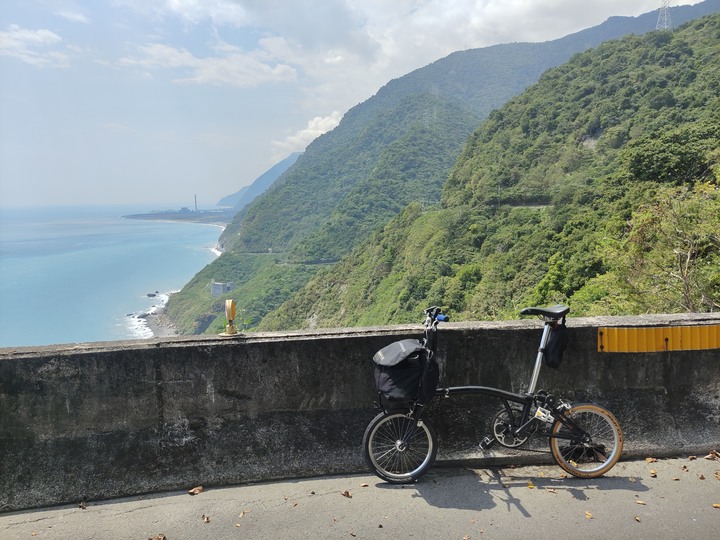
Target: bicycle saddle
x=554, y=312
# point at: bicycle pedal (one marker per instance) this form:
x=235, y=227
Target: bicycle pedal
x=486, y=443
x=544, y=415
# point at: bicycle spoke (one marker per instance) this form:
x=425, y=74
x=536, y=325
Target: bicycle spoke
x=587, y=441
x=398, y=449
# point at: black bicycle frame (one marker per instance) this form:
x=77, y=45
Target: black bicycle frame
x=526, y=399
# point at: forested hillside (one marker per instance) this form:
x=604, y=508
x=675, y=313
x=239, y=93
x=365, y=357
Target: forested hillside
x=598, y=187
x=396, y=148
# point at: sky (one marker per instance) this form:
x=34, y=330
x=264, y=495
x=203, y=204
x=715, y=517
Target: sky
x=158, y=101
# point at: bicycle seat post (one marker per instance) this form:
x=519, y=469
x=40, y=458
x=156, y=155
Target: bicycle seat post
x=549, y=315
x=540, y=353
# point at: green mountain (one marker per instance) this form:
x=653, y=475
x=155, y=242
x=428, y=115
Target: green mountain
x=396, y=148
x=598, y=186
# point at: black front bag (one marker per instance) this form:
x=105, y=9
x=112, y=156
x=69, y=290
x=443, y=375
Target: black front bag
x=405, y=372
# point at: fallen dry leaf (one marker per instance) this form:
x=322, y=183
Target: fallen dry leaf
x=364, y=485
x=637, y=518
x=206, y=519
x=588, y=515
x=714, y=454
x=701, y=477
x=692, y=458
x=653, y=473
x=347, y=494
x=684, y=468
x=158, y=537
x=676, y=478
x=640, y=502
x=716, y=505
x=550, y=490
x=82, y=505
x=196, y=490
x=650, y=459
x=531, y=485
x=717, y=475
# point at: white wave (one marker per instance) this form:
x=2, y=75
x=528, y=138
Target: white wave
x=137, y=323
x=138, y=327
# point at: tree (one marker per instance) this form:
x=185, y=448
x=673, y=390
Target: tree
x=669, y=259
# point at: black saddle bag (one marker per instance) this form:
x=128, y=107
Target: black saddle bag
x=556, y=345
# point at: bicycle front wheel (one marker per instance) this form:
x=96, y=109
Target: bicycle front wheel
x=586, y=441
x=399, y=449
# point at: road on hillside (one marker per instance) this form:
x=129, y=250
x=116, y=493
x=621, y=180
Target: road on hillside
x=665, y=499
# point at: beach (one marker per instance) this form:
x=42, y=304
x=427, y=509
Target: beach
x=160, y=324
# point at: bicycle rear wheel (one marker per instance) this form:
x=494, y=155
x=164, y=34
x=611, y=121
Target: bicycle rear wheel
x=397, y=449
x=587, y=441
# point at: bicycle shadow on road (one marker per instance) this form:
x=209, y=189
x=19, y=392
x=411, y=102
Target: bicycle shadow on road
x=485, y=489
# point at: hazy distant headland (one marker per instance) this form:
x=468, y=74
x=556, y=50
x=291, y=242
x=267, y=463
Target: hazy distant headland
x=221, y=216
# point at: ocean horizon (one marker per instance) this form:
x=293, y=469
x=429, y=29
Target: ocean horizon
x=85, y=274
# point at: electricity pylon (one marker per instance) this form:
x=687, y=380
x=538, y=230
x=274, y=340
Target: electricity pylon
x=664, y=22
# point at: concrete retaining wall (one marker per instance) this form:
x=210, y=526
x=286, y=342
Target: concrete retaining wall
x=96, y=421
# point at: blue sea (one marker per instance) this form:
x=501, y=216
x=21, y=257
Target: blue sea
x=85, y=274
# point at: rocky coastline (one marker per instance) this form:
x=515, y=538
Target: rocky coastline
x=160, y=324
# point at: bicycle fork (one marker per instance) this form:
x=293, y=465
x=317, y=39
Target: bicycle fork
x=415, y=415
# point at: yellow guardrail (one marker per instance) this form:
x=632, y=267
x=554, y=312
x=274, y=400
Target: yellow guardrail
x=657, y=339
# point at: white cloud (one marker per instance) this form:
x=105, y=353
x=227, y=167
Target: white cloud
x=299, y=141
x=31, y=46
x=74, y=17
x=219, y=12
x=230, y=67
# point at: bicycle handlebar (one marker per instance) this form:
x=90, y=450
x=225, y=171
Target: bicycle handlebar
x=435, y=314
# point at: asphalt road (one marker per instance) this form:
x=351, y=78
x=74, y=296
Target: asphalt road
x=666, y=499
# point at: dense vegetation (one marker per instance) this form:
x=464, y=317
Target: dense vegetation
x=598, y=186
x=397, y=148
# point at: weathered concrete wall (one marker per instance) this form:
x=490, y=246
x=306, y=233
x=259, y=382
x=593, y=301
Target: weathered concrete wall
x=102, y=420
